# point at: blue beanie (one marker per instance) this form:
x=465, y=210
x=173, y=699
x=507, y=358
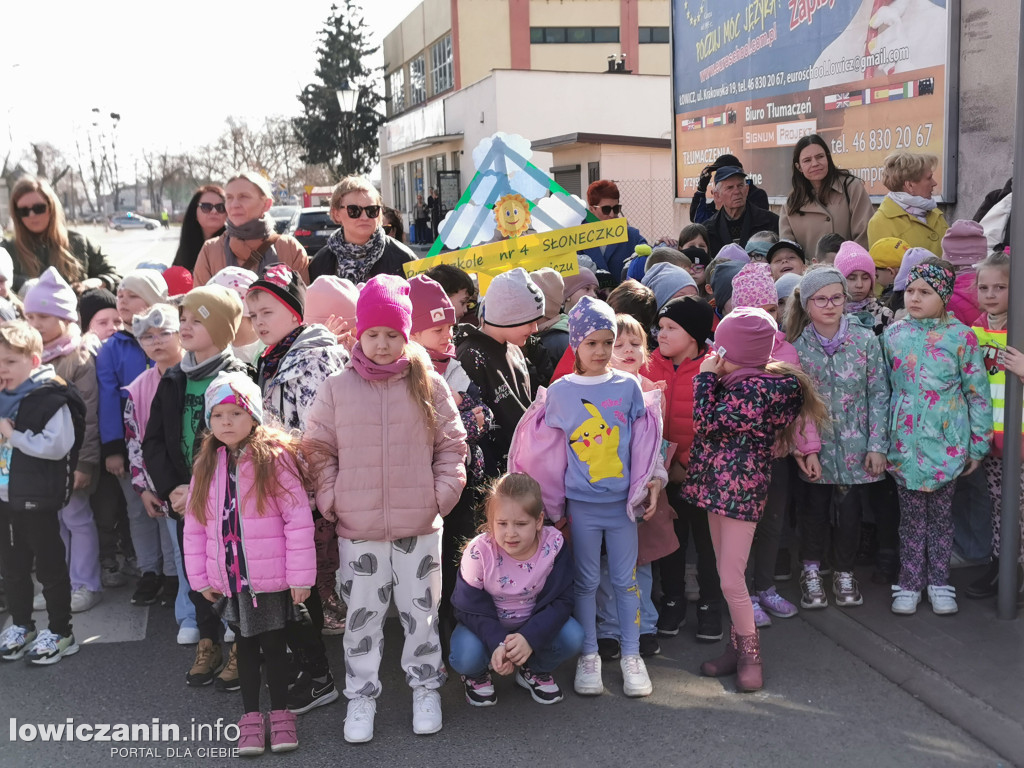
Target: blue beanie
x=785, y=284
x=666, y=280
x=589, y=316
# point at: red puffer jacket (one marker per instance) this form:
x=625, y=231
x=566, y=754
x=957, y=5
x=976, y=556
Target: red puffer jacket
x=679, y=396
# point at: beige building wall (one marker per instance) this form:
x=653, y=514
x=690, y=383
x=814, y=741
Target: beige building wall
x=484, y=42
x=590, y=57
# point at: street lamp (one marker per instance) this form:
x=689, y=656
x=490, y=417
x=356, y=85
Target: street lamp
x=347, y=98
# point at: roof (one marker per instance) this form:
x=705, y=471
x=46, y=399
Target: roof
x=568, y=139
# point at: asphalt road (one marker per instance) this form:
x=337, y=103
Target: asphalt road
x=126, y=250
x=821, y=706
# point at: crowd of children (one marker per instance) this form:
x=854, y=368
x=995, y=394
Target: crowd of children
x=292, y=459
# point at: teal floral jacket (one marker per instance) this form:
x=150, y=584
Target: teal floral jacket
x=941, y=408
x=854, y=383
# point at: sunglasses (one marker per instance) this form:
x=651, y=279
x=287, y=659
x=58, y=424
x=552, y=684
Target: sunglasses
x=355, y=211
x=38, y=210
x=211, y=207
x=608, y=209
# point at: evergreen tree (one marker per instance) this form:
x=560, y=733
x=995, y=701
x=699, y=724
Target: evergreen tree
x=346, y=142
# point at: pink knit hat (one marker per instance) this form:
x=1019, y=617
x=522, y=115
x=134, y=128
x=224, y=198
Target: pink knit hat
x=52, y=295
x=746, y=337
x=384, y=301
x=431, y=306
x=851, y=258
x=753, y=286
x=330, y=295
x=964, y=243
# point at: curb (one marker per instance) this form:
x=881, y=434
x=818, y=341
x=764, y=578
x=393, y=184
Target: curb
x=963, y=709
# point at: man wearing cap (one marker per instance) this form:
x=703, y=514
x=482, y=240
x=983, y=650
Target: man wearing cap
x=737, y=218
x=702, y=209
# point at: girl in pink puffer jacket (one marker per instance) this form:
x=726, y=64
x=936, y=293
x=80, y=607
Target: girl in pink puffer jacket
x=249, y=546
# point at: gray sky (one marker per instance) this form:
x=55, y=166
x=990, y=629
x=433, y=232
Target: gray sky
x=174, y=71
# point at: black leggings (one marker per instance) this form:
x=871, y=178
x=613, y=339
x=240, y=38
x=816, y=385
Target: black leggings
x=275, y=654
x=690, y=520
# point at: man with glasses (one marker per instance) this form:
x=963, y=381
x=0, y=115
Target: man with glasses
x=603, y=201
x=737, y=218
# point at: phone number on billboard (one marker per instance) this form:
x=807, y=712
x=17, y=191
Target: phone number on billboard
x=770, y=80
x=884, y=139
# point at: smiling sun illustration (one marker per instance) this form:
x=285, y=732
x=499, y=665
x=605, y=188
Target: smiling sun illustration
x=512, y=214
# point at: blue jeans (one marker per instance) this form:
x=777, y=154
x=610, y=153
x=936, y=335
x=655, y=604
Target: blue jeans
x=972, y=517
x=591, y=523
x=184, y=611
x=607, y=615
x=468, y=656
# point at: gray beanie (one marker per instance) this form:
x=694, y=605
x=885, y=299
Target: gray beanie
x=816, y=279
x=147, y=284
x=784, y=285
x=666, y=280
x=163, y=317
x=512, y=299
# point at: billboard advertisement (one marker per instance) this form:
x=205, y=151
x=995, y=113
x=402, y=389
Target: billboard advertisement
x=750, y=77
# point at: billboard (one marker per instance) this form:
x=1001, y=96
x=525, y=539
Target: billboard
x=750, y=77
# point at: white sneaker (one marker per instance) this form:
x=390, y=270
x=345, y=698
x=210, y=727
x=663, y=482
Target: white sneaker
x=588, y=676
x=943, y=600
x=426, y=711
x=635, y=680
x=904, y=601
x=691, y=589
x=83, y=598
x=188, y=635
x=359, y=719
x=39, y=602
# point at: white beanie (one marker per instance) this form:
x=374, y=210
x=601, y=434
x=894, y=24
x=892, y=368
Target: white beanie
x=512, y=299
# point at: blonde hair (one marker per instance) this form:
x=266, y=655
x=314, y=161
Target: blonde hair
x=813, y=410
x=517, y=487
x=901, y=167
x=21, y=337
x=264, y=447
x=629, y=324
x=354, y=184
x=54, y=238
x=258, y=180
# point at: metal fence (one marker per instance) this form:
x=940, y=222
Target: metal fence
x=647, y=205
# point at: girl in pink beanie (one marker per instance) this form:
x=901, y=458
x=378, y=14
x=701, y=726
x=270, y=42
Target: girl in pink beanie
x=391, y=450
x=743, y=399
x=856, y=265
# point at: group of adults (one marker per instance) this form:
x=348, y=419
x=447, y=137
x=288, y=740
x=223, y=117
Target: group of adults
x=222, y=226
x=824, y=199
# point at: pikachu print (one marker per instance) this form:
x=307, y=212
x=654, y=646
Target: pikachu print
x=596, y=444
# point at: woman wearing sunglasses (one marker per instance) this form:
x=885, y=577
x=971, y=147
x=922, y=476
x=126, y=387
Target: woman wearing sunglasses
x=603, y=202
x=249, y=240
x=204, y=220
x=360, y=248
x=42, y=239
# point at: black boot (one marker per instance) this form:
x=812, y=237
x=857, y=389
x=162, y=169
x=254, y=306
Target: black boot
x=986, y=585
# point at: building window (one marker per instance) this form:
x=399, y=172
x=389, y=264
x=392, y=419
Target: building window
x=441, y=78
x=417, y=82
x=397, y=79
x=574, y=35
x=653, y=34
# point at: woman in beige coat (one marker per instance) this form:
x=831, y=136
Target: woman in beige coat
x=250, y=241
x=825, y=199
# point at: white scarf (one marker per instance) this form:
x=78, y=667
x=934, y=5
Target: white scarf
x=915, y=205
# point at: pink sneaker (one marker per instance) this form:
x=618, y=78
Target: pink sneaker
x=252, y=734
x=283, y=737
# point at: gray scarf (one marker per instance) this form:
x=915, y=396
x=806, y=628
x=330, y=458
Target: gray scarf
x=257, y=229
x=356, y=261
x=196, y=371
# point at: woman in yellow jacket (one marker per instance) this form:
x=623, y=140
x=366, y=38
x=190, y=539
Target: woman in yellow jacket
x=908, y=211
x=825, y=199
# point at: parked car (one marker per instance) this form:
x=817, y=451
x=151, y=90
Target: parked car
x=312, y=227
x=282, y=216
x=123, y=221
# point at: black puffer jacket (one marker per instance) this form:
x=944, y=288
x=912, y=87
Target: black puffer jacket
x=390, y=262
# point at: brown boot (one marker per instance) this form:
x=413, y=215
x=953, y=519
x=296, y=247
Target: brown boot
x=209, y=659
x=724, y=664
x=227, y=680
x=749, y=676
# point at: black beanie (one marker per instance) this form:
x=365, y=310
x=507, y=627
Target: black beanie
x=285, y=285
x=692, y=315
x=93, y=301
x=697, y=255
